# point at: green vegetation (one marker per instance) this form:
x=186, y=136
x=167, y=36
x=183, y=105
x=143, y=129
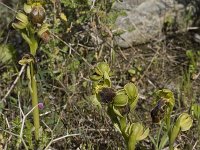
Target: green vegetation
x=66, y=85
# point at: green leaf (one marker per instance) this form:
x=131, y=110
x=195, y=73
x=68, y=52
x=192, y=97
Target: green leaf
x=33, y=46
x=195, y=110
x=26, y=38
x=163, y=141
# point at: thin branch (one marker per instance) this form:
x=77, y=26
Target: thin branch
x=60, y=138
x=14, y=83
x=8, y=7
x=24, y=119
x=11, y=133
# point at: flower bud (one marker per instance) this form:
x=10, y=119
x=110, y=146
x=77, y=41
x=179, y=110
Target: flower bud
x=44, y=33
x=37, y=14
x=40, y=105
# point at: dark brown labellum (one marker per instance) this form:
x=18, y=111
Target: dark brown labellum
x=107, y=95
x=37, y=15
x=158, y=113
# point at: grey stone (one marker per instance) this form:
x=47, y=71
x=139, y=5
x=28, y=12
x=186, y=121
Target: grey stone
x=144, y=20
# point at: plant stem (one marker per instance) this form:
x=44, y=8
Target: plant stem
x=169, y=131
x=35, y=102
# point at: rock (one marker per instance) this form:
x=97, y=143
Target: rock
x=145, y=19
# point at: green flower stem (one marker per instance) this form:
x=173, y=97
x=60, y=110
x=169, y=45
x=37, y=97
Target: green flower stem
x=168, y=122
x=131, y=145
x=33, y=48
x=35, y=102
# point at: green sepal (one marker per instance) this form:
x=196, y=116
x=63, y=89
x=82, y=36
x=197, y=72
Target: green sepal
x=22, y=17
x=27, y=8
x=43, y=28
x=95, y=77
x=138, y=130
x=131, y=91
x=107, y=81
x=120, y=100
x=19, y=25
x=117, y=112
x=25, y=61
x=184, y=121
x=101, y=68
x=123, y=124
x=22, y=21
x=134, y=104
x=121, y=91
